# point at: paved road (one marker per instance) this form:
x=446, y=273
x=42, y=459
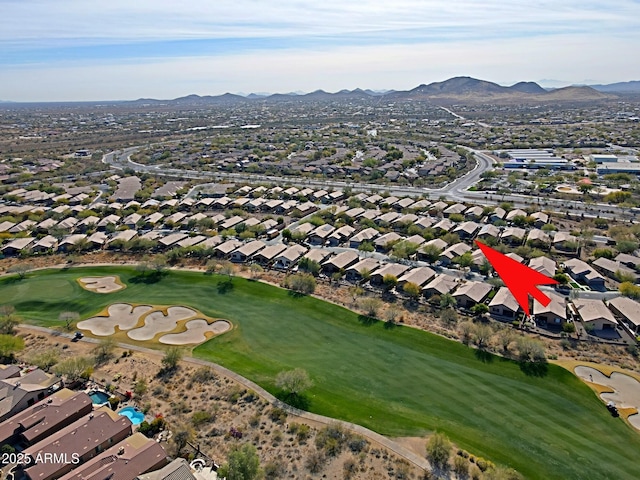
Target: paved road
x=399, y=450
x=456, y=190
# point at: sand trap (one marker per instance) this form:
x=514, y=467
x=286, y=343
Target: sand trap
x=626, y=389
x=157, y=322
x=101, y=284
x=196, y=332
x=121, y=315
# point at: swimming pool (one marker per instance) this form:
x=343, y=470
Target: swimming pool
x=133, y=414
x=98, y=398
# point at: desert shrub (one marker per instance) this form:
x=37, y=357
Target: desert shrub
x=315, y=461
x=201, y=417
x=278, y=415
x=331, y=439
x=439, y=450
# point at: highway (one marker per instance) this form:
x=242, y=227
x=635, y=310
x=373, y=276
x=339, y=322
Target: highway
x=458, y=190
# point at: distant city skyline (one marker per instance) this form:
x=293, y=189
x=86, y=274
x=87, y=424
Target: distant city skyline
x=72, y=50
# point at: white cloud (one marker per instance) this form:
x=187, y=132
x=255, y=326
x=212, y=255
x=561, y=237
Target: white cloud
x=91, y=22
x=332, y=69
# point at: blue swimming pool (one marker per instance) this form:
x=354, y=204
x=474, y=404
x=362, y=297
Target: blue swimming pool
x=133, y=414
x=99, y=398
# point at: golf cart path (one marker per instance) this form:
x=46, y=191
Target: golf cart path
x=399, y=450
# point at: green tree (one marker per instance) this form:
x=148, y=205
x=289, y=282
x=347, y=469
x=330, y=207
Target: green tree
x=366, y=247
x=481, y=335
x=412, y=290
x=308, y=265
x=301, y=282
x=75, y=368
x=439, y=450
x=431, y=253
x=370, y=305
x=294, y=382
x=9, y=345
x=479, y=309
x=389, y=281
x=447, y=300
x=243, y=463
x=561, y=278
x=465, y=260
x=404, y=249
x=630, y=290
x=624, y=276
x=172, y=358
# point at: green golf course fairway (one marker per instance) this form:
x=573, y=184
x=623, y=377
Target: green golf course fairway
x=398, y=381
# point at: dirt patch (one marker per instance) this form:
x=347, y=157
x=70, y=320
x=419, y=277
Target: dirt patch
x=101, y=284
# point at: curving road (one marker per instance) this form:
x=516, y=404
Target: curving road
x=458, y=190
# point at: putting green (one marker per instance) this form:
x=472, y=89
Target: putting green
x=545, y=423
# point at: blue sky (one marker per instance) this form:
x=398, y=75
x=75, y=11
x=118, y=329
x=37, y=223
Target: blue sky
x=100, y=50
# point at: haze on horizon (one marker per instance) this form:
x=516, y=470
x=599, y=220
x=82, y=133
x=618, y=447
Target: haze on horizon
x=75, y=50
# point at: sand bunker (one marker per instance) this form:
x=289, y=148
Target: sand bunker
x=146, y=322
x=121, y=315
x=158, y=322
x=101, y=284
x=626, y=389
x=196, y=332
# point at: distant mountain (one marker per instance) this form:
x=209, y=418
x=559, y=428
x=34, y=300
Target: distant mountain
x=453, y=90
x=576, y=94
x=620, y=87
x=528, y=87
x=459, y=86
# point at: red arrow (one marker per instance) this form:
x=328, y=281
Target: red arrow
x=518, y=278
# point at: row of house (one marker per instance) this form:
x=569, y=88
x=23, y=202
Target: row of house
x=66, y=438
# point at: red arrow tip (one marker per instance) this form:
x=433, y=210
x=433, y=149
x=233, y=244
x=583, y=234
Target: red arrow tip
x=521, y=280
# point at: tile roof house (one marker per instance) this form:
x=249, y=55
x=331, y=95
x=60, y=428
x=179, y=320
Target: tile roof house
x=45, y=417
x=225, y=248
x=630, y=261
x=14, y=247
x=342, y=261
x=125, y=460
x=440, y=285
x=596, y=313
x=503, y=305
x=513, y=235
x=419, y=275
x=246, y=251
x=84, y=438
x=394, y=269
x=362, y=236
x=610, y=268
x=18, y=393
x=290, y=256
x=583, y=272
x=554, y=314
x=470, y=293
x=628, y=311
x=176, y=470
x=355, y=272
x=544, y=265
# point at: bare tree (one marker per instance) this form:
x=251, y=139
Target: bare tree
x=69, y=318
